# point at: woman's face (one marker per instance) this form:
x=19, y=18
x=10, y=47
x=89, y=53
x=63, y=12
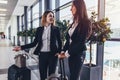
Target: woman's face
x=50, y=18
x=73, y=9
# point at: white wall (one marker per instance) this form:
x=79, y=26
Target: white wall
x=13, y=24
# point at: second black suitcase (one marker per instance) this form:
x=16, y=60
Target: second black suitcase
x=16, y=73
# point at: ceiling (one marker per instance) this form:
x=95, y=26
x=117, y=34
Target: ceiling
x=19, y=9
x=5, y=15
x=13, y=7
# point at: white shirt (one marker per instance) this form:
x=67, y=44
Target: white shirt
x=71, y=30
x=46, y=39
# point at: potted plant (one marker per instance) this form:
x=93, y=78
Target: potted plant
x=100, y=32
x=27, y=33
x=30, y=33
x=63, y=26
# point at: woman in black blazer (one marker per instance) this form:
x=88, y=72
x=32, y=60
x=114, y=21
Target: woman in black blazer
x=76, y=38
x=48, y=43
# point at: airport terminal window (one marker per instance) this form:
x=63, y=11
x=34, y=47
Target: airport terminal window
x=53, y=4
x=92, y=6
x=29, y=16
x=111, y=65
x=29, y=40
x=20, y=28
x=113, y=13
x=29, y=19
x=43, y=6
x=65, y=14
x=87, y=58
x=62, y=2
x=35, y=11
x=36, y=23
x=29, y=26
x=111, y=70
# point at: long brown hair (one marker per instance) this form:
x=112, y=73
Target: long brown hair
x=81, y=12
x=82, y=17
x=44, y=16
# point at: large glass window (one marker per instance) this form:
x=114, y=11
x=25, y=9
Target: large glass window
x=112, y=11
x=92, y=6
x=36, y=11
x=29, y=19
x=29, y=26
x=111, y=69
x=29, y=16
x=62, y=2
x=65, y=14
x=111, y=51
x=43, y=6
x=36, y=23
x=53, y=4
x=87, y=58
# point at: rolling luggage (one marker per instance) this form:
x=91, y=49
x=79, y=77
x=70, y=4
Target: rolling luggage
x=62, y=75
x=19, y=71
x=62, y=69
x=16, y=73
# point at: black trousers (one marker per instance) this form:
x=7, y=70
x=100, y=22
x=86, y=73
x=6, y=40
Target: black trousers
x=75, y=64
x=47, y=64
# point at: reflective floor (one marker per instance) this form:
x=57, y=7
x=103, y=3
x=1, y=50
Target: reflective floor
x=7, y=59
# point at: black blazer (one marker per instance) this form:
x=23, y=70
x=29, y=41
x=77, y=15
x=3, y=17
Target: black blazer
x=78, y=40
x=55, y=41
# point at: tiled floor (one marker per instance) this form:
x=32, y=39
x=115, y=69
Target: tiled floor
x=7, y=59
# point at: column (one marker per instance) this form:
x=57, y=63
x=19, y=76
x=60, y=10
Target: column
x=18, y=29
x=25, y=21
x=40, y=11
x=57, y=13
x=100, y=47
x=47, y=5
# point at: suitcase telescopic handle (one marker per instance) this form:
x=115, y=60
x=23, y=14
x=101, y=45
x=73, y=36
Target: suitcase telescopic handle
x=62, y=69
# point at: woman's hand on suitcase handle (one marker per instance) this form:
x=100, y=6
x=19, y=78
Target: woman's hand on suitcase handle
x=17, y=48
x=62, y=55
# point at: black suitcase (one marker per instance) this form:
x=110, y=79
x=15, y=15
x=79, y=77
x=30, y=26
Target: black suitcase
x=19, y=71
x=62, y=69
x=62, y=72
x=16, y=73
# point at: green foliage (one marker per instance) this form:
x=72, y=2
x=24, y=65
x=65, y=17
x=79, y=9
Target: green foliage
x=100, y=29
x=30, y=33
x=63, y=25
x=100, y=32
